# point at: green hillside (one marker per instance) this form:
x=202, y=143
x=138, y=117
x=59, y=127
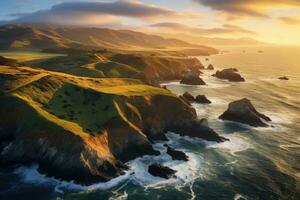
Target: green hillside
x=81, y=105
x=115, y=65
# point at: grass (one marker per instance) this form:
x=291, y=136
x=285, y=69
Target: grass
x=83, y=71
x=90, y=65
x=82, y=105
x=89, y=109
x=24, y=56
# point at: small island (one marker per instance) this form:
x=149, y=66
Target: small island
x=244, y=112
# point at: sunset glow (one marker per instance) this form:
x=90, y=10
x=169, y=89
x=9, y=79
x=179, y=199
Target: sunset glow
x=276, y=22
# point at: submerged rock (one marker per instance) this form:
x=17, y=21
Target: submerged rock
x=192, y=78
x=176, y=155
x=244, y=112
x=202, y=99
x=283, y=78
x=210, y=67
x=161, y=171
x=230, y=74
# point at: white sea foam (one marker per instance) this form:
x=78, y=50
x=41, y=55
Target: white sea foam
x=177, y=83
x=138, y=173
x=236, y=144
x=278, y=118
x=272, y=126
x=118, y=196
x=186, y=171
x=30, y=174
x=210, y=83
x=239, y=197
x=174, y=139
x=295, y=146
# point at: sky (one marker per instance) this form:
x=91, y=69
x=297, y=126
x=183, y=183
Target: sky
x=271, y=21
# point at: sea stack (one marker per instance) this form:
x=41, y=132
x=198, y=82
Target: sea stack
x=189, y=97
x=175, y=154
x=161, y=171
x=244, y=112
x=202, y=99
x=230, y=74
x=192, y=78
x=285, y=78
x=210, y=67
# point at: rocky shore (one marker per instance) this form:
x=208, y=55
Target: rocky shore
x=87, y=134
x=86, y=129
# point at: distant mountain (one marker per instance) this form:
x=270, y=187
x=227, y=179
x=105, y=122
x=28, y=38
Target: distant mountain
x=49, y=37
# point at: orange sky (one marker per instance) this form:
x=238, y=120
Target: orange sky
x=271, y=21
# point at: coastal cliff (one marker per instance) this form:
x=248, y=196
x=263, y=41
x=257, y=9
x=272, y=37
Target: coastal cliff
x=85, y=129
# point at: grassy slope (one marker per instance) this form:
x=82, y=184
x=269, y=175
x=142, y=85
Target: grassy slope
x=137, y=66
x=81, y=105
x=90, y=65
x=22, y=56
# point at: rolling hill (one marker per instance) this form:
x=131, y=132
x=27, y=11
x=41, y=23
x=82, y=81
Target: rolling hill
x=147, y=68
x=20, y=37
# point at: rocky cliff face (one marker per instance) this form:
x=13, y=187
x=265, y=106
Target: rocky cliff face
x=160, y=68
x=84, y=129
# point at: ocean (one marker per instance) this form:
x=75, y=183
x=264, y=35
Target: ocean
x=257, y=163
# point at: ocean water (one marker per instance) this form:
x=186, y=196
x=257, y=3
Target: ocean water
x=257, y=163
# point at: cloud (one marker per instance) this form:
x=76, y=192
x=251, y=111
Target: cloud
x=290, y=20
x=94, y=12
x=225, y=29
x=246, y=7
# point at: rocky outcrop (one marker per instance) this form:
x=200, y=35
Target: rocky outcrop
x=199, y=98
x=210, y=67
x=176, y=155
x=202, y=99
x=161, y=171
x=192, y=78
x=230, y=74
x=189, y=97
x=244, y=112
x=283, y=78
